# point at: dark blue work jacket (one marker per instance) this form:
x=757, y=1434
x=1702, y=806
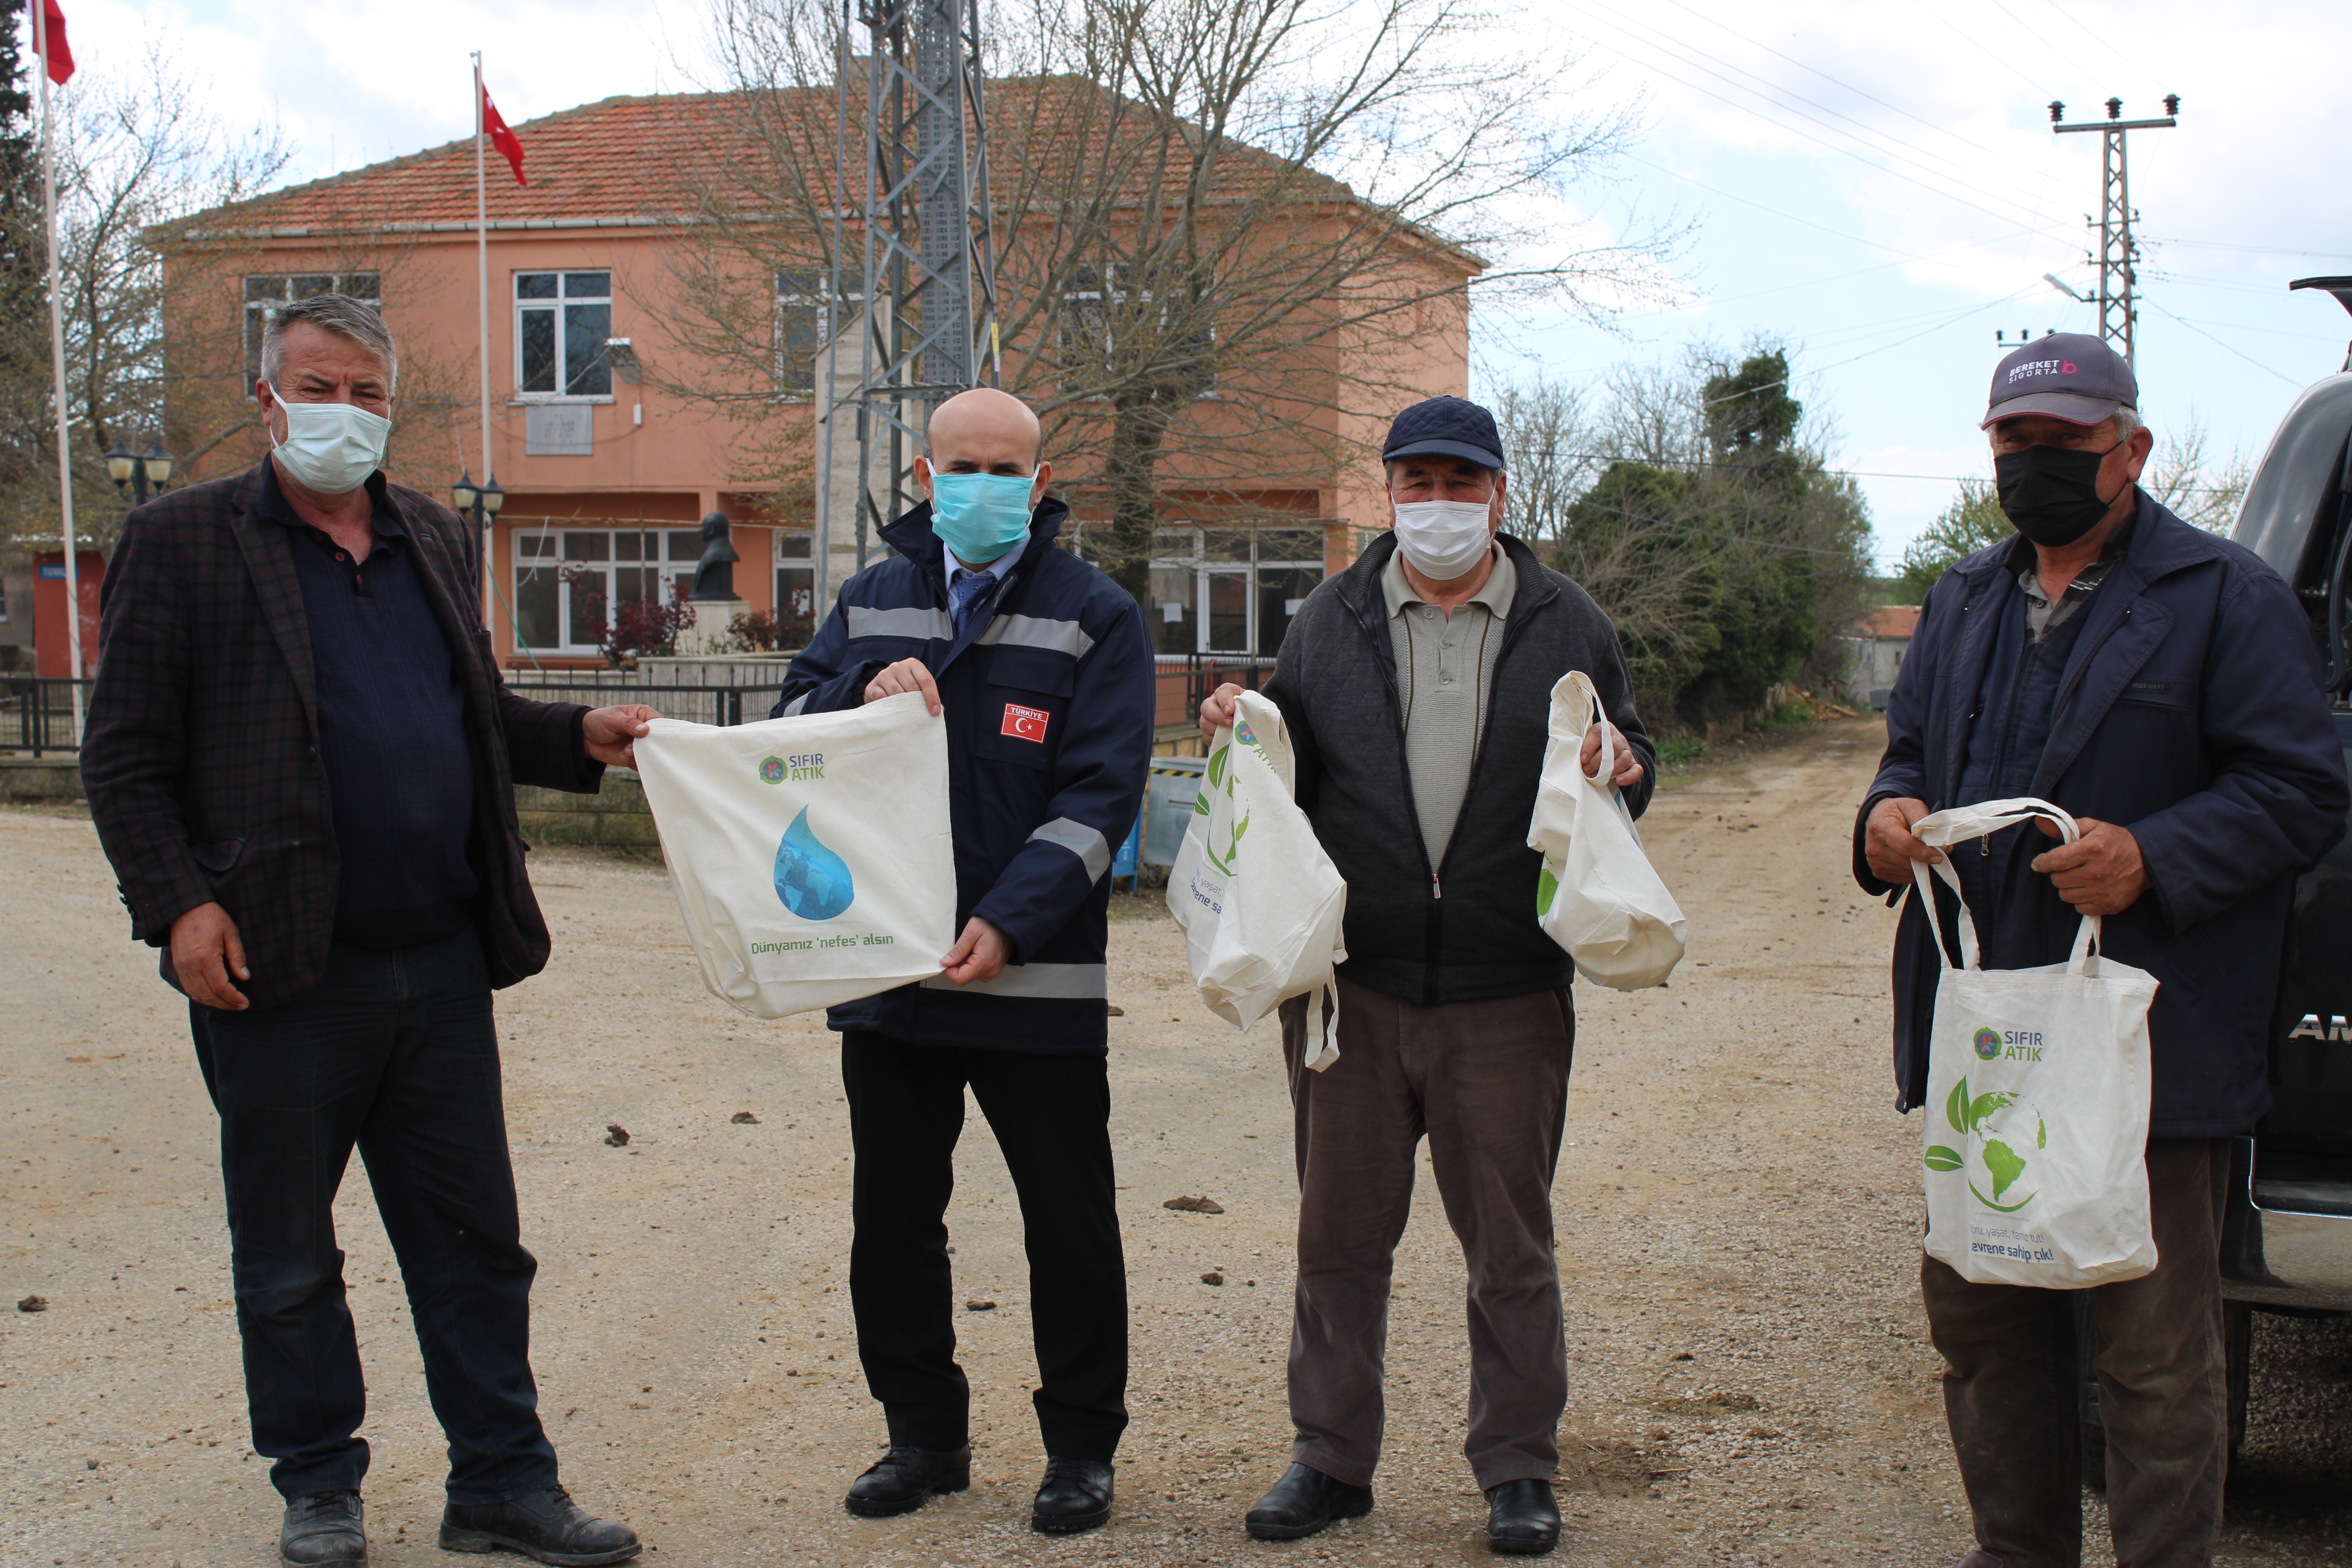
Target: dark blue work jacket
x=1049, y=712
x=2190, y=711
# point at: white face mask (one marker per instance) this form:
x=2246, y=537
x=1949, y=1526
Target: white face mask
x=1443, y=540
x=330, y=448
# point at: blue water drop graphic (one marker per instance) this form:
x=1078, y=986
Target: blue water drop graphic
x=813, y=881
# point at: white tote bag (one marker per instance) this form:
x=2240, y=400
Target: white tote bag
x=1260, y=902
x=810, y=857
x=2038, y=1086
x=1598, y=896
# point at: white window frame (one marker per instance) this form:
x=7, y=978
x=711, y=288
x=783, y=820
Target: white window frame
x=256, y=311
x=1202, y=569
x=555, y=305
x=673, y=569
x=815, y=295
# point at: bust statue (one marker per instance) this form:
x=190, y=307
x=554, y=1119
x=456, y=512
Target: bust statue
x=714, y=576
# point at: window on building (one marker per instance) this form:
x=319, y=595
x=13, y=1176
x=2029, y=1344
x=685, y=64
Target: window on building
x=567, y=580
x=795, y=575
x=1229, y=589
x=265, y=291
x=804, y=328
x=1102, y=316
x=561, y=320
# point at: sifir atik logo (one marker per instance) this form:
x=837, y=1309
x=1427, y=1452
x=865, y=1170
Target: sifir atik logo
x=1025, y=723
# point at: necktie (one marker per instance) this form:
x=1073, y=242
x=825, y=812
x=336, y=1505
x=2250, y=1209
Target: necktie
x=967, y=591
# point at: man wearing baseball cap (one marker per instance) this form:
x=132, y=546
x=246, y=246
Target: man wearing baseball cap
x=1416, y=687
x=2162, y=685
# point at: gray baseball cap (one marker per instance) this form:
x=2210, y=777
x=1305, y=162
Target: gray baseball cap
x=2067, y=375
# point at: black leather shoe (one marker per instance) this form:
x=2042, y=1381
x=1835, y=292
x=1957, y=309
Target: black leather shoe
x=1522, y=1518
x=323, y=1527
x=1074, y=1496
x=546, y=1525
x=1303, y=1501
x=904, y=1479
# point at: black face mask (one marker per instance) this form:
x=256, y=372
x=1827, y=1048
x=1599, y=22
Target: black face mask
x=2050, y=494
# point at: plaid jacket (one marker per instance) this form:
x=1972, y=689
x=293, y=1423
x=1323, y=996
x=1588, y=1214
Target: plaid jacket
x=201, y=756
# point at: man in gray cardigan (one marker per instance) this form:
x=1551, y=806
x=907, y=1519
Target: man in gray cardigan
x=1416, y=687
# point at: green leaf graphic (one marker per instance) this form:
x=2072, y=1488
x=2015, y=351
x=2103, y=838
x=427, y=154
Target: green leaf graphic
x=2041, y=1132
x=1218, y=760
x=1956, y=1110
x=1547, y=885
x=1942, y=1159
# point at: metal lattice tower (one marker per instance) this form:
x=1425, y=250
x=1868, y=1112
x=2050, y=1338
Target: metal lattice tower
x=915, y=178
x=2118, y=253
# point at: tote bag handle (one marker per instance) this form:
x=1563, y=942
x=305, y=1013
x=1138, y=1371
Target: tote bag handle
x=1959, y=824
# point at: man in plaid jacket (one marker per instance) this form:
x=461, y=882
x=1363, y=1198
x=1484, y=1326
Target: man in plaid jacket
x=301, y=761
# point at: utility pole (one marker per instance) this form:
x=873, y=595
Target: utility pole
x=926, y=302
x=2117, y=251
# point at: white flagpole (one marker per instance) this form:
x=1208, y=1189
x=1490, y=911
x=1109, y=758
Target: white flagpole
x=482, y=289
x=58, y=358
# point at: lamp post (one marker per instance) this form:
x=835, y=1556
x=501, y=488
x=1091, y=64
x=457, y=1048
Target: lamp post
x=479, y=504
x=137, y=474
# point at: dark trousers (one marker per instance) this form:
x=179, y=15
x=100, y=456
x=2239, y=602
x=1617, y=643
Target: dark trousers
x=2010, y=1395
x=1050, y=1115
x=1488, y=1083
x=396, y=1053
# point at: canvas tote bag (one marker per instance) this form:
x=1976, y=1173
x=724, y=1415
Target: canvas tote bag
x=2038, y=1088
x=1260, y=902
x=811, y=856
x=1598, y=896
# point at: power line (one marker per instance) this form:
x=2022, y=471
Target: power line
x=2239, y=352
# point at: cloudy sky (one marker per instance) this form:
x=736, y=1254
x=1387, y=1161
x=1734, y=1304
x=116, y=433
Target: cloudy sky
x=1875, y=182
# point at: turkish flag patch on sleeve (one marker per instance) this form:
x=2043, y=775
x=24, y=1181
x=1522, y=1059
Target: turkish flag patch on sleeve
x=1025, y=723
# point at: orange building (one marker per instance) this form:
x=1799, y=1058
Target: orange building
x=608, y=466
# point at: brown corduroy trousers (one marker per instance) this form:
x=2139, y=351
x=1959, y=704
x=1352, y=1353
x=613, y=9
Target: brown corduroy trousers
x=1488, y=1083
x=2009, y=1397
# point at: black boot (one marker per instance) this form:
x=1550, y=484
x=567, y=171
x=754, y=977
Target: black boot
x=904, y=1479
x=323, y=1527
x=1521, y=1518
x=1074, y=1496
x=546, y=1525
x=1303, y=1501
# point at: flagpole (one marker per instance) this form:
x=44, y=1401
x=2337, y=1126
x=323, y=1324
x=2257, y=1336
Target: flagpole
x=57, y=361
x=482, y=292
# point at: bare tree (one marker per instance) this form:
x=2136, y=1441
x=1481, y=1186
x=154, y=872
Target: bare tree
x=1221, y=229
x=133, y=151
x=2196, y=487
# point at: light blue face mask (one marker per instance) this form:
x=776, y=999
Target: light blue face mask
x=980, y=516
x=330, y=448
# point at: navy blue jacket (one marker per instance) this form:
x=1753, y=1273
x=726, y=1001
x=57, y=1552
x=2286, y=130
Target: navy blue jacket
x=1049, y=713
x=2189, y=713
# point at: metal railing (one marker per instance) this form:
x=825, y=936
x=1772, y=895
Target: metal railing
x=1181, y=681
x=36, y=713
x=695, y=704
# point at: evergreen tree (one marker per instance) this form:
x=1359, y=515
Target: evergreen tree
x=24, y=303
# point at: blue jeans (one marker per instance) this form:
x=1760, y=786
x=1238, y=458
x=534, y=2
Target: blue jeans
x=396, y=1053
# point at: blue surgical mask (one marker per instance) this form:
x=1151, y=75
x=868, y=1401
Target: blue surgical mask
x=330, y=448
x=980, y=516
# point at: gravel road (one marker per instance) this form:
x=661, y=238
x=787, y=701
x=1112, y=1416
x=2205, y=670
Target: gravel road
x=1737, y=1205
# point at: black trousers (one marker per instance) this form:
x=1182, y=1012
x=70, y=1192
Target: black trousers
x=1050, y=1115
x=395, y=1053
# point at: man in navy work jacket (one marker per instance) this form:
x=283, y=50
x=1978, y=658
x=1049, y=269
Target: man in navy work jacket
x=2160, y=684
x=1040, y=665
x=301, y=762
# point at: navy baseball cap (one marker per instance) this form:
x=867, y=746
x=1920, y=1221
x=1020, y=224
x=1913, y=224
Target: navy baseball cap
x=1448, y=427
x=2067, y=375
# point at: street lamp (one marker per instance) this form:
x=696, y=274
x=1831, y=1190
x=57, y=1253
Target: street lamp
x=135, y=474
x=479, y=504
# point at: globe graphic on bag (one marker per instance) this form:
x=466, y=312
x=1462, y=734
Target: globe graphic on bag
x=2003, y=1148
x=811, y=879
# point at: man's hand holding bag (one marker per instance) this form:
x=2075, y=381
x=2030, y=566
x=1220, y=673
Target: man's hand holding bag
x=1598, y=897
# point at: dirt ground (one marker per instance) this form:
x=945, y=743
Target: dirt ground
x=1738, y=1203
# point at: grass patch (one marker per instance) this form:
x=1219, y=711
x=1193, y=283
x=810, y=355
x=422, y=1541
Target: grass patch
x=1681, y=752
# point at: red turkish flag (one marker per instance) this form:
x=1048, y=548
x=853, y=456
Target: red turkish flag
x=60, y=54
x=1024, y=723
x=504, y=140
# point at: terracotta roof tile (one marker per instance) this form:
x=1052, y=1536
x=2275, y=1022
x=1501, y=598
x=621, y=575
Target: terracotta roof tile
x=1894, y=622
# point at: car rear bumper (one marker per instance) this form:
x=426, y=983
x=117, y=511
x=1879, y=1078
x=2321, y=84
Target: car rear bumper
x=2276, y=1250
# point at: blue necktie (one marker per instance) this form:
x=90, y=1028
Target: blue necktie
x=967, y=591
